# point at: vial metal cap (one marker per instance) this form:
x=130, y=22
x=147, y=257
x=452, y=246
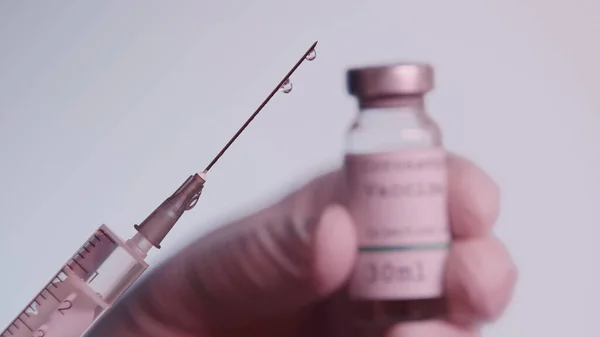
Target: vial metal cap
x=390, y=80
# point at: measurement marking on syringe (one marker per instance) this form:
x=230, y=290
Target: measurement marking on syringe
x=12, y=325
x=78, y=265
x=51, y=294
x=24, y=324
x=108, y=237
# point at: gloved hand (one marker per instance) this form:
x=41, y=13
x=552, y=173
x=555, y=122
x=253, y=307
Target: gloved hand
x=280, y=272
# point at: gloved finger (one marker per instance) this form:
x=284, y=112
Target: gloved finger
x=480, y=280
x=473, y=198
x=271, y=264
x=431, y=328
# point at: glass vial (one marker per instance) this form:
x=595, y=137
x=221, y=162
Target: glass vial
x=396, y=171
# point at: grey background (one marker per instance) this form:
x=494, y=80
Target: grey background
x=106, y=106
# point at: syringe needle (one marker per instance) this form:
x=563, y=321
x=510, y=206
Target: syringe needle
x=158, y=224
x=97, y=250
x=261, y=106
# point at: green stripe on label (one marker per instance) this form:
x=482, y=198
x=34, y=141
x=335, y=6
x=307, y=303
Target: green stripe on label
x=432, y=246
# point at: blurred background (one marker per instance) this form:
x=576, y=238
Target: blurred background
x=107, y=106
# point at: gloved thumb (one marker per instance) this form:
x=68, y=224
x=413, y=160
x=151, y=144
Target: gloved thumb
x=273, y=262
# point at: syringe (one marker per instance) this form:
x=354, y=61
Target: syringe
x=104, y=267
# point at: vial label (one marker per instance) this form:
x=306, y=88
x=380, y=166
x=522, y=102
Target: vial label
x=399, y=203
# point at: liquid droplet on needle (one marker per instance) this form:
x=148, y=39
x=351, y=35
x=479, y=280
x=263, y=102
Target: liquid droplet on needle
x=311, y=55
x=286, y=86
